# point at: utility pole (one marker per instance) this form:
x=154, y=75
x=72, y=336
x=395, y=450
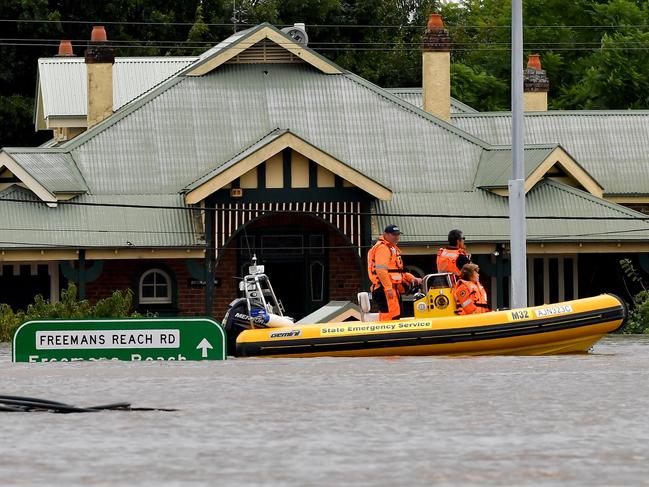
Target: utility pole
x=517, y=225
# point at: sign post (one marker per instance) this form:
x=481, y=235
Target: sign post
x=138, y=339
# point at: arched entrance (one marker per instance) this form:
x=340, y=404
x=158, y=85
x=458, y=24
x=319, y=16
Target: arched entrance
x=308, y=260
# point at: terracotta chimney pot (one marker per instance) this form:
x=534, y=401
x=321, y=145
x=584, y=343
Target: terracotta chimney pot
x=534, y=62
x=435, y=22
x=65, y=49
x=98, y=34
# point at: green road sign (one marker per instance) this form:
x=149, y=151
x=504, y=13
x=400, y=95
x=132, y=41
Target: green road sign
x=119, y=339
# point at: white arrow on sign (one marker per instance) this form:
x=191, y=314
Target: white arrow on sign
x=204, y=345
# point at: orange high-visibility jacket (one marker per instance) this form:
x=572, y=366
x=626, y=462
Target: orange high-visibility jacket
x=385, y=267
x=447, y=260
x=470, y=297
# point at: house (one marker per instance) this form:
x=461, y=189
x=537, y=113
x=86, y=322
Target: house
x=261, y=146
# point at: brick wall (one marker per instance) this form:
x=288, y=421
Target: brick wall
x=345, y=273
x=125, y=274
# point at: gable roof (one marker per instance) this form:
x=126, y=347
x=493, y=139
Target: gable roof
x=46, y=173
x=243, y=40
x=264, y=149
x=495, y=168
x=62, y=85
x=610, y=145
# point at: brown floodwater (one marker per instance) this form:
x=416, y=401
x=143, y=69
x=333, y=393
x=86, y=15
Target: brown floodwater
x=576, y=420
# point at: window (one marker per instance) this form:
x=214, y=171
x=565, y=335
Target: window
x=282, y=244
x=155, y=287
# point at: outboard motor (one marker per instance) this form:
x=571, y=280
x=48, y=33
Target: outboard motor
x=258, y=308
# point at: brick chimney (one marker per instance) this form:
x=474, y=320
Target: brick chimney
x=99, y=63
x=535, y=86
x=436, y=68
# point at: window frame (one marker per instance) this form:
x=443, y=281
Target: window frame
x=168, y=299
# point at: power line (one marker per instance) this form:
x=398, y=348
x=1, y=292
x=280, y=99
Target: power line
x=447, y=25
x=206, y=44
x=226, y=207
x=531, y=47
x=350, y=49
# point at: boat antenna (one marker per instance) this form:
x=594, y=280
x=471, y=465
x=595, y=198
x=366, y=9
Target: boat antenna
x=245, y=233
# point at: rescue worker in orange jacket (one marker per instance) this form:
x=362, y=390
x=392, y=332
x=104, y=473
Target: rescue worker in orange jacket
x=469, y=294
x=453, y=257
x=385, y=269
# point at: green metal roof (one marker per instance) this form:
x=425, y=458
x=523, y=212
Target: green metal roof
x=610, y=145
x=56, y=171
x=203, y=121
x=495, y=168
x=414, y=96
x=28, y=223
x=475, y=213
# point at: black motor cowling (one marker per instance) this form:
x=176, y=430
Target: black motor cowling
x=236, y=320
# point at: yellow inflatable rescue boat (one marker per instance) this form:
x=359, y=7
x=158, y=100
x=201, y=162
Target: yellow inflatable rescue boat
x=566, y=327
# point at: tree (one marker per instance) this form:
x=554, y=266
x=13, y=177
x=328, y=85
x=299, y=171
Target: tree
x=199, y=34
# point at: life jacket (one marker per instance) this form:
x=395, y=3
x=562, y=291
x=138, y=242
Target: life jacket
x=447, y=260
x=394, y=266
x=470, y=297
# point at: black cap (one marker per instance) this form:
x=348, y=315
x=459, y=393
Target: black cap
x=392, y=229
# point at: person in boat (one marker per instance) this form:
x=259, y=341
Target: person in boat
x=454, y=256
x=469, y=294
x=385, y=269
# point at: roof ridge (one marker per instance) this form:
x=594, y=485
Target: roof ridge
x=80, y=59
x=418, y=90
x=416, y=111
x=549, y=113
x=541, y=145
x=79, y=173
x=594, y=199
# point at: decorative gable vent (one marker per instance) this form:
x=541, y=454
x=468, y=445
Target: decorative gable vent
x=265, y=52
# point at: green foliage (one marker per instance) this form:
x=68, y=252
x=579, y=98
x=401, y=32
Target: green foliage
x=630, y=272
x=638, y=321
x=16, y=126
x=199, y=32
x=477, y=88
x=118, y=305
